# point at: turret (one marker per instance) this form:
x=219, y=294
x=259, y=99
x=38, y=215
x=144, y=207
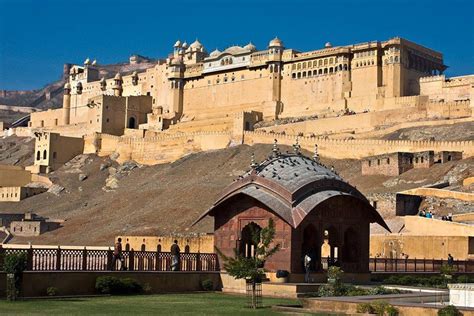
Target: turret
x=67, y=104
x=117, y=85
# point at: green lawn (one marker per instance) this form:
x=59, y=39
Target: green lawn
x=165, y=304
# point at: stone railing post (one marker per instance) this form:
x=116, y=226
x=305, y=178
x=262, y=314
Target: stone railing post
x=84, y=259
x=198, y=262
x=109, y=260
x=131, y=260
x=58, y=258
x=29, y=258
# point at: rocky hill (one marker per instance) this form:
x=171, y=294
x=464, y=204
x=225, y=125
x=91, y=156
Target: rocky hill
x=100, y=199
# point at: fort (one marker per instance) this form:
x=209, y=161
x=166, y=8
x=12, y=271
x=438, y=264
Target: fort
x=339, y=100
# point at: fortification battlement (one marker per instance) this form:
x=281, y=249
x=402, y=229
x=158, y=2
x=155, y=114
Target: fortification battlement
x=433, y=78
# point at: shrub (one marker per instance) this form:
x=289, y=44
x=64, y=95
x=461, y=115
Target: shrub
x=147, y=289
x=114, y=285
x=52, y=291
x=463, y=279
x=14, y=264
x=379, y=307
x=207, y=285
x=449, y=310
x=365, y=308
x=335, y=273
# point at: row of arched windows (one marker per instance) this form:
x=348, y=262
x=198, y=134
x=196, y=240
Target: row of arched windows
x=38, y=155
x=317, y=72
x=187, y=249
x=365, y=63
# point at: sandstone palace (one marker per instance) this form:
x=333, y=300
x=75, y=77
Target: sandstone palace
x=230, y=91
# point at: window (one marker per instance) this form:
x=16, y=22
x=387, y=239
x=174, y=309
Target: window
x=370, y=163
x=378, y=162
x=38, y=155
x=388, y=161
x=44, y=154
x=374, y=203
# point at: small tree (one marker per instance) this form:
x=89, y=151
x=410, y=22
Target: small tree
x=251, y=268
x=14, y=265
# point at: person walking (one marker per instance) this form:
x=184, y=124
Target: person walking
x=307, y=268
x=117, y=255
x=175, y=251
x=450, y=260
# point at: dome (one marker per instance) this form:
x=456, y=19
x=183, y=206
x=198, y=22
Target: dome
x=67, y=86
x=328, y=45
x=251, y=47
x=87, y=61
x=234, y=50
x=275, y=42
x=177, y=44
x=94, y=62
x=118, y=76
x=292, y=186
x=185, y=45
x=196, y=45
x=215, y=53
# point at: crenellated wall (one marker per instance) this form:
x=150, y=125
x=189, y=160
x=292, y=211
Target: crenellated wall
x=168, y=148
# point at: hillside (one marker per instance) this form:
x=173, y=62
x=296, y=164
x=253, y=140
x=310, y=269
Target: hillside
x=167, y=198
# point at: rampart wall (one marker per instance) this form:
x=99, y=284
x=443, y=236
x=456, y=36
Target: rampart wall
x=168, y=148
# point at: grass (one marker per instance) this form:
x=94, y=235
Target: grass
x=164, y=304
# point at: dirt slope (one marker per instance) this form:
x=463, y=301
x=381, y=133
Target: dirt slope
x=164, y=199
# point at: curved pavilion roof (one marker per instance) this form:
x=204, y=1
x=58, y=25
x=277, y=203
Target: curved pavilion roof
x=293, y=185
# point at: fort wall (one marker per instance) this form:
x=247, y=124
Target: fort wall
x=168, y=148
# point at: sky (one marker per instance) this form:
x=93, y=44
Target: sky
x=38, y=36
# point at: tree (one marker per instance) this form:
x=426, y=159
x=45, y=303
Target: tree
x=251, y=268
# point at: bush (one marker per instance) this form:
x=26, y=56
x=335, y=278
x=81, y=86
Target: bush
x=449, y=310
x=378, y=307
x=14, y=263
x=147, y=289
x=207, y=285
x=52, y=291
x=114, y=285
x=365, y=308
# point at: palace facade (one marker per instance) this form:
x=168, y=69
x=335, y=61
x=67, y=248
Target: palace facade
x=192, y=85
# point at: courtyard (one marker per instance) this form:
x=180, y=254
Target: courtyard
x=165, y=304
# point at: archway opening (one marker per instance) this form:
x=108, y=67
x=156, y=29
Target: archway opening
x=131, y=122
x=250, y=237
x=310, y=246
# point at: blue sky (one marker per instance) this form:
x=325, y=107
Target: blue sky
x=38, y=36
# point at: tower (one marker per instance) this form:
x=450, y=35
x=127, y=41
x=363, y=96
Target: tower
x=117, y=87
x=275, y=51
x=67, y=104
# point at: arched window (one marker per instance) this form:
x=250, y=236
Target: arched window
x=158, y=248
x=131, y=122
x=247, y=243
x=325, y=70
x=143, y=247
x=45, y=154
x=38, y=155
x=187, y=249
x=127, y=247
x=388, y=161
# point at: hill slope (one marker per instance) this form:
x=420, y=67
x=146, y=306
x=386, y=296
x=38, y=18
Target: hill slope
x=167, y=198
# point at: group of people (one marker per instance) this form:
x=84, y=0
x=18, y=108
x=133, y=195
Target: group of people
x=429, y=214
x=118, y=256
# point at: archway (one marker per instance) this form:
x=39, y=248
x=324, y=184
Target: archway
x=131, y=122
x=310, y=246
x=330, y=246
x=248, y=244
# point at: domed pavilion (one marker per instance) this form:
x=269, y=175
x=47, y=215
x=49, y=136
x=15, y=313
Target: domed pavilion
x=314, y=210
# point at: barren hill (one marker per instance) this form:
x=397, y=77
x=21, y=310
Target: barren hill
x=167, y=198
